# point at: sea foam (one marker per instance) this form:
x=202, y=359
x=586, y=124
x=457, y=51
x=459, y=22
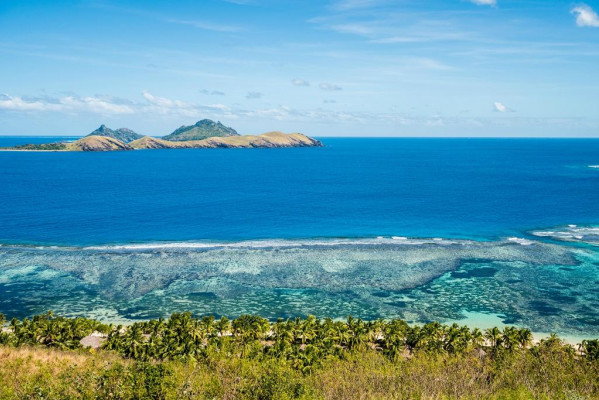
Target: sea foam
x=572, y=233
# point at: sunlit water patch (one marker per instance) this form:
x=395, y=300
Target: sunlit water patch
x=545, y=286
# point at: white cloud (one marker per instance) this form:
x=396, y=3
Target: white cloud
x=95, y=105
x=69, y=104
x=162, y=101
x=500, y=107
x=300, y=82
x=19, y=104
x=585, y=16
x=330, y=87
x=484, y=2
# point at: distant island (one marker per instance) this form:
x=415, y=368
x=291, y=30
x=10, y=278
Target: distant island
x=203, y=134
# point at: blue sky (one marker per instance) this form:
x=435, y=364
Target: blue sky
x=324, y=68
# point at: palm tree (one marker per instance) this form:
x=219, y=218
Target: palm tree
x=223, y=326
x=413, y=338
x=358, y=334
x=133, y=342
x=375, y=331
x=395, y=338
x=456, y=339
x=590, y=349
x=493, y=335
x=510, y=338
x=476, y=338
x=524, y=337
x=431, y=337
x=552, y=341
x=308, y=329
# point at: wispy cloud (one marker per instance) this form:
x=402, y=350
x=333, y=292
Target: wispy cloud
x=211, y=92
x=254, y=95
x=209, y=26
x=422, y=63
x=484, y=2
x=156, y=105
x=396, y=28
x=423, y=36
x=162, y=101
x=585, y=16
x=176, y=110
x=329, y=87
x=356, y=29
x=240, y=2
x=300, y=82
x=344, y=5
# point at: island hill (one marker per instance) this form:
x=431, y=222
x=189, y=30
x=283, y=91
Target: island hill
x=203, y=134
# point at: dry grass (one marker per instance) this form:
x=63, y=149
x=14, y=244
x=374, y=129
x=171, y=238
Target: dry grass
x=97, y=143
x=269, y=139
x=36, y=373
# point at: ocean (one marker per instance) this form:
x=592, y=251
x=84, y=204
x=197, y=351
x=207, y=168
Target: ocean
x=478, y=231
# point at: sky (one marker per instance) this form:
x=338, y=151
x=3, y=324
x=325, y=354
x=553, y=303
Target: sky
x=488, y=68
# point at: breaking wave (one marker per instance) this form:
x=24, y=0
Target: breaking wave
x=571, y=233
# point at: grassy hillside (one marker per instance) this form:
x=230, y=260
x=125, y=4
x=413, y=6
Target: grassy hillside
x=266, y=140
x=97, y=143
x=250, y=358
x=148, y=142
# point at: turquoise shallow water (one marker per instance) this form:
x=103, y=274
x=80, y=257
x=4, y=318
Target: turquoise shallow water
x=330, y=232
x=545, y=286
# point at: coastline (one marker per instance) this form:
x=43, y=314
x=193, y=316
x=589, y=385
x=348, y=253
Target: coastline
x=35, y=151
x=105, y=139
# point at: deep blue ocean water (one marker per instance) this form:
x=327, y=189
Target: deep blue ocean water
x=483, y=188
x=215, y=219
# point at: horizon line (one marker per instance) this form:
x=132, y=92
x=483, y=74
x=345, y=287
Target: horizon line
x=341, y=137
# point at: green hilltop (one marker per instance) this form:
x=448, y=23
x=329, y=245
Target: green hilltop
x=125, y=135
x=203, y=129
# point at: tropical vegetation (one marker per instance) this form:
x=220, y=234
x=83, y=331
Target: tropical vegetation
x=201, y=130
x=42, y=146
x=250, y=357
